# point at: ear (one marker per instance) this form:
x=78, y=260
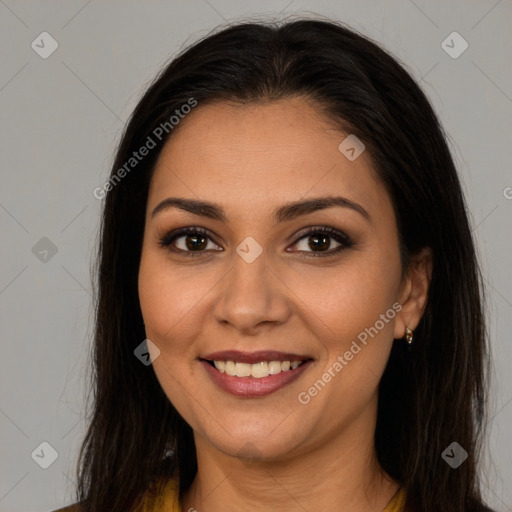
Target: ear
x=414, y=292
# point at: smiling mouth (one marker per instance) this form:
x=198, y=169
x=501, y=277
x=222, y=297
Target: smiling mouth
x=258, y=370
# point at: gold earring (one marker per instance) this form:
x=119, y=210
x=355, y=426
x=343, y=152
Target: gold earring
x=408, y=336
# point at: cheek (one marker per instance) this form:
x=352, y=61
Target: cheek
x=167, y=298
x=353, y=298
x=355, y=324
x=167, y=302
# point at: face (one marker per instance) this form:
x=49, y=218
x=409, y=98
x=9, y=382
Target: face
x=324, y=283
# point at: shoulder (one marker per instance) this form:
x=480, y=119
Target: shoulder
x=168, y=501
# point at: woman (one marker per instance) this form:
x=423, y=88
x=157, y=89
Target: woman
x=289, y=309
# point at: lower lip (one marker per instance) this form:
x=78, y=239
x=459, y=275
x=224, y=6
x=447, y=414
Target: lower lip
x=250, y=386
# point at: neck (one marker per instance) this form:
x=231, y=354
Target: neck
x=341, y=475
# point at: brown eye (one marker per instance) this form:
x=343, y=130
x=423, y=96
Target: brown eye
x=319, y=240
x=195, y=240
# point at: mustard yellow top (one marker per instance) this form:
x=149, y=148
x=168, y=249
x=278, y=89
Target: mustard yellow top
x=397, y=503
x=169, y=501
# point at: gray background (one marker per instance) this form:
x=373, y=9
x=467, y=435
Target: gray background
x=61, y=119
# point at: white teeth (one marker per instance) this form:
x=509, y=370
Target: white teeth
x=258, y=370
x=274, y=367
x=230, y=368
x=243, y=370
x=220, y=365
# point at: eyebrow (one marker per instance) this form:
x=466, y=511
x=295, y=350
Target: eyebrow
x=287, y=212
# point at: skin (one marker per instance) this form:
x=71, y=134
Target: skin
x=272, y=452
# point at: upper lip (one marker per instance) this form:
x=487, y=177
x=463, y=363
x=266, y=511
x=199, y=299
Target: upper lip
x=253, y=357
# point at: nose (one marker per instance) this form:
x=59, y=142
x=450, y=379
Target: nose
x=252, y=295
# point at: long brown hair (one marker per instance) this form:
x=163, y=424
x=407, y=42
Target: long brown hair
x=429, y=397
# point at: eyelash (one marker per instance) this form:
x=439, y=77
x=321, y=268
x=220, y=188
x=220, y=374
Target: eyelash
x=167, y=240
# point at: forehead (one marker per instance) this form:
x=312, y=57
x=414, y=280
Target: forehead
x=249, y=155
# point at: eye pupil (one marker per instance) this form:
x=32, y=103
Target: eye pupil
x=324, y=245
x=192, y=246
